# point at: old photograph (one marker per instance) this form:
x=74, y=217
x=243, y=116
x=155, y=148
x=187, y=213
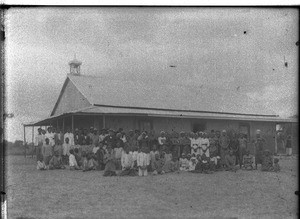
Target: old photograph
x=151, y=112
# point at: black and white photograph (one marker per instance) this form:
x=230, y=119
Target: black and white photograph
x=151, y=112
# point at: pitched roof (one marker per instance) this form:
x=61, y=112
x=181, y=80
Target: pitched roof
x=122, y=93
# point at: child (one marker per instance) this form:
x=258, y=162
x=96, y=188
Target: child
x=56, y=162
x=66, y=150
x=47, y=152
x=168, y=155
x=72, y=161
x=276, y=167
x=248, y=161
x=171, y=166
x=230, y=161
x=99, y=156
x=77, y=157
x=267, y=161
x=157, y=165
x=110, y=162
x=40, y=163
x=183, y=163
x=84, y=161
x=143, y=162
x=205, y=160
x=127, y=164
x=198, y=167
x=153, y=152
x=118, y=153
x=192, y=163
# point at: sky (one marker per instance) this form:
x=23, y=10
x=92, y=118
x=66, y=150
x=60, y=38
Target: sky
x=214, y=47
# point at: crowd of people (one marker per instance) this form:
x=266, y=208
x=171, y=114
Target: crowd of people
x=139, y=153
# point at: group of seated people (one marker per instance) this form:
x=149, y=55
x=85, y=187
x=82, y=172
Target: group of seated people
x=135, y=153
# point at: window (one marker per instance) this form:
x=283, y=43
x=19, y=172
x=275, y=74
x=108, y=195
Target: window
x=199, y=127
x=245, y=129
x=145, y=125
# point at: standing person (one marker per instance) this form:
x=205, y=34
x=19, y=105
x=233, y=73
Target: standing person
x=102, y=135
x=110, y=139
x=70, y=136
x=47, y=152
x=143, y=140
x=95, y=138
x=100, y=154
x=204, y=148
x=234, y=146
x=66, y=150
x=162, y=140
x=153, y=153
x=224, y=146
x=288, y=145
x=50, y=135
x=110, y=162
x=259, y=145
x=76, y=137
x=118, y=152
x=143, y=162
x=195, y=143
x=131, y=140
x=217, y=140
x=242, y=148
x=39, y=141
x=91, y=133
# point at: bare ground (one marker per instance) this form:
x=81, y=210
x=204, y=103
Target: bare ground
x=75, y=194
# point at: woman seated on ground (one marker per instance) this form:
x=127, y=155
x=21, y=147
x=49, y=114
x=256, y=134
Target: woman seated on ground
x=110, y=162
x=56, y=162
x=192, y=162
x=171, y=166
x=198, y=167
x=127, y=164
x=72, y=161
x=89, y=163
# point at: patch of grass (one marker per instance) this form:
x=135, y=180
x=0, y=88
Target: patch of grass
x=75, y=194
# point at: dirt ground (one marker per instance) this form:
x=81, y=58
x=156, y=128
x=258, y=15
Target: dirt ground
x=75, y=194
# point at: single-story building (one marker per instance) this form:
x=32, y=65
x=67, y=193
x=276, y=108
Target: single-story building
x=86, y=101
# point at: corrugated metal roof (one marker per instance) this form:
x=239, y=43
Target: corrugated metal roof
x=161, y=113
x=137, y=94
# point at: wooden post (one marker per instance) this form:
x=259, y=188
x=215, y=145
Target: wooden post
x=32, y=140
x=24, y=143
x=72, y=117
x=276, y=147
x=63, y=125
x=56, y=124
x=103, y=121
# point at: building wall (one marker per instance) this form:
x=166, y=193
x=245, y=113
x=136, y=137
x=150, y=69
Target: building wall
x=70, y=100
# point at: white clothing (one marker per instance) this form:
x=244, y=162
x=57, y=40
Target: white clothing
x=95, y=149
x=39, y=140
x=50, y=136
x=134, y=155
x=70, y=136
x=72, y=161
x=143, y=159
x=205, y=147
x=126, y=161
x=143, y=172
x=66, y=149
x=161, y=140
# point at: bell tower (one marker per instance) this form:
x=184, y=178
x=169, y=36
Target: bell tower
x=75, y=66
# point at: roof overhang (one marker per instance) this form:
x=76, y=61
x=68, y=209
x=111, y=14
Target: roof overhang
x=130, y=111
